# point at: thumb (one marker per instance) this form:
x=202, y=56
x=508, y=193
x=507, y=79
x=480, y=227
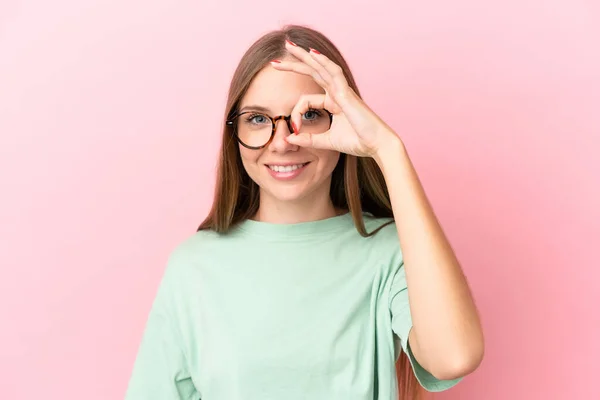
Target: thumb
x=315, y=141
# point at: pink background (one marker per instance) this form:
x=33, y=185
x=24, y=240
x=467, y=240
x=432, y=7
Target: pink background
x=109, y=126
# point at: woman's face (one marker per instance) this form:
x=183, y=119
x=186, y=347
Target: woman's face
x=285, y=172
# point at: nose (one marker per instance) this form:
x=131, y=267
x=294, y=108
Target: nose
x=279, y=144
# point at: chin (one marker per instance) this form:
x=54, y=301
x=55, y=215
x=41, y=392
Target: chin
x=287, y=193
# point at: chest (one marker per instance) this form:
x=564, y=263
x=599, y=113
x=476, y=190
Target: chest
x=298, y=319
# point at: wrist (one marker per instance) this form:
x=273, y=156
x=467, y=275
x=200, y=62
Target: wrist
x=392, y=148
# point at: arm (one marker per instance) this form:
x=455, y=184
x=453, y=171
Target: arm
x=440, y=299
x=160, y=371
x=446, y=338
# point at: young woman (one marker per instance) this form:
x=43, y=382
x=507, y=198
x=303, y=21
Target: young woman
x=321, y=267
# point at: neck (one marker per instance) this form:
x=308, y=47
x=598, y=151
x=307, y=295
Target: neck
x=292, y=212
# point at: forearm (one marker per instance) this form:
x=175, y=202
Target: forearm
x=446, y=336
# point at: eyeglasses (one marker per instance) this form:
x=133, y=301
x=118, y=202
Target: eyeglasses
x=256, y=130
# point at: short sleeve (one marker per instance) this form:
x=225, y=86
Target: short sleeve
x=402, y=324
x=160, y=371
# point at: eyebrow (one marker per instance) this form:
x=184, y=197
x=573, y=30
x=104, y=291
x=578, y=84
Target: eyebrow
x=255, y=108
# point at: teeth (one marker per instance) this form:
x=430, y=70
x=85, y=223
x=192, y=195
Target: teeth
x=287, y=168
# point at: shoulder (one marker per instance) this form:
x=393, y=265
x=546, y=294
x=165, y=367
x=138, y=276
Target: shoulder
x=387, y=235
x=385, y=243
x=191, y=251
x=194, y=244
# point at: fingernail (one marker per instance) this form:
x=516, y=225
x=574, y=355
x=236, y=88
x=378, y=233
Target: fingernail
x=290, y=42
x=294, y=128
x=314, y=51
x=276, y=61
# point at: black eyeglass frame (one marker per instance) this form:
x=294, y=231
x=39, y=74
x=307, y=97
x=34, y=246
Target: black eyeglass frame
x=287, y=118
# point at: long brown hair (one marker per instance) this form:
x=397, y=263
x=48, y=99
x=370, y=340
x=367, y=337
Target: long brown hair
x=357, y=183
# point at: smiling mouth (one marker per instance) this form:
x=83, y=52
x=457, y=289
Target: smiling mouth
x=286, y=168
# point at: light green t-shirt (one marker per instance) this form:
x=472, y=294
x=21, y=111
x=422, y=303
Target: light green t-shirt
x=273, y=312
